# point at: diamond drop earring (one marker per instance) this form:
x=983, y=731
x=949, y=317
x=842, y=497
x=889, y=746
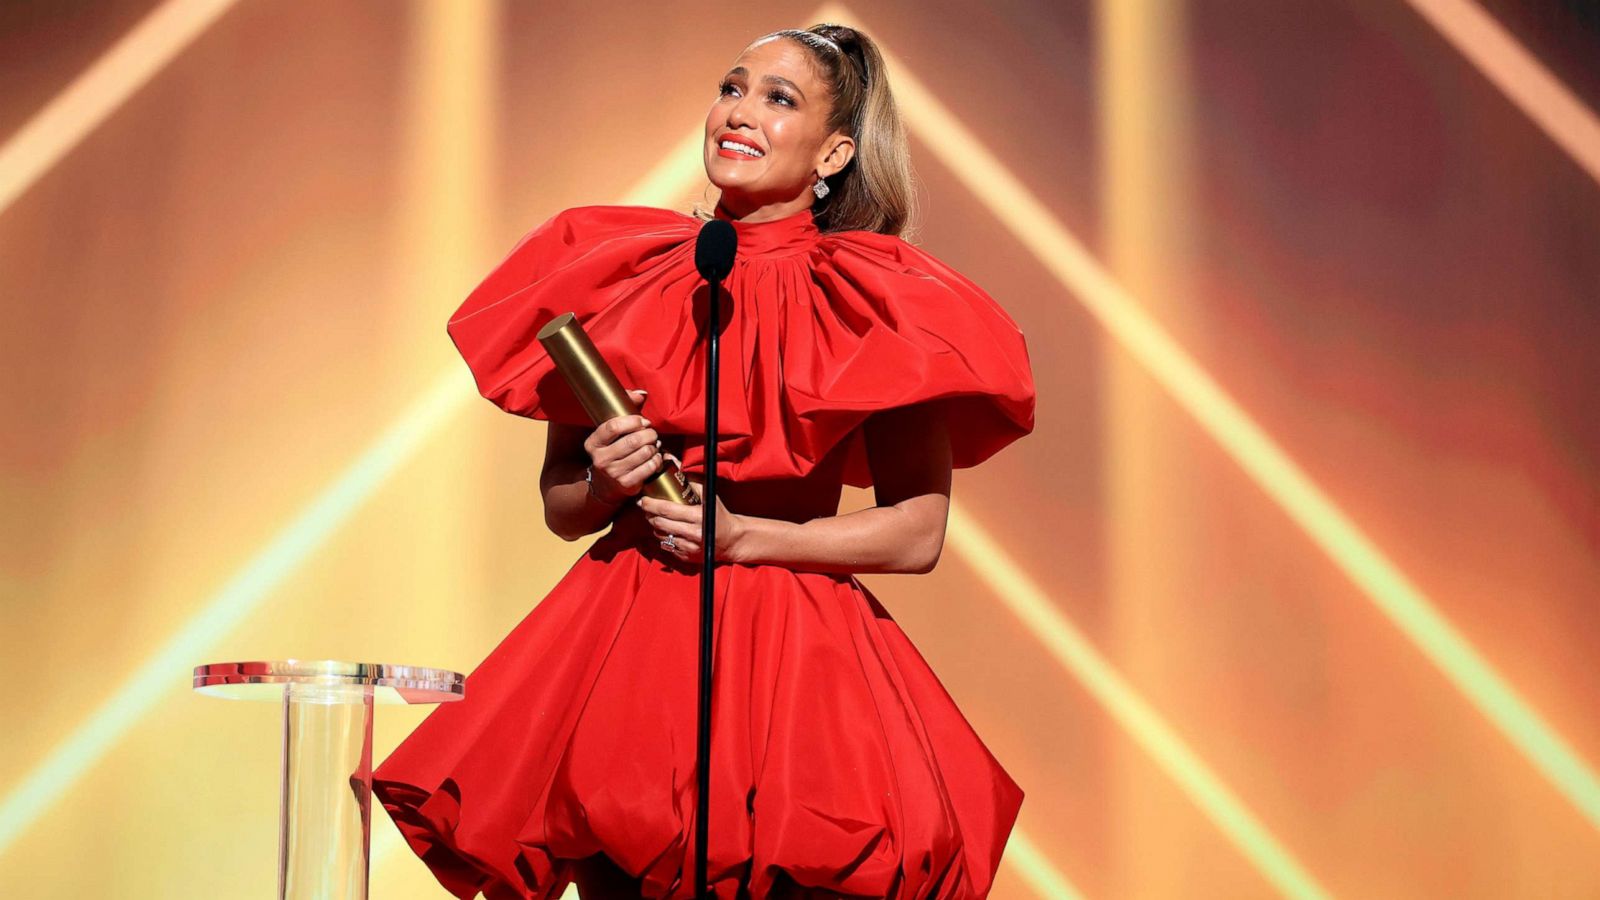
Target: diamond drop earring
x=820, y=189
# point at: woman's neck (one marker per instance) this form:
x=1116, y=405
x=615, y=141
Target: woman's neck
x=743, y=210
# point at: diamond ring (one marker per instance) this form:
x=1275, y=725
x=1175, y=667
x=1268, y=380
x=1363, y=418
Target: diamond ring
x=671, y=543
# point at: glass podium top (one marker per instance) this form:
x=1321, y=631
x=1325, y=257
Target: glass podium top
x=266, y=680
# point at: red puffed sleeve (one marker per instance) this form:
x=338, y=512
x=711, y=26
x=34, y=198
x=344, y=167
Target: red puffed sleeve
x=582, y=260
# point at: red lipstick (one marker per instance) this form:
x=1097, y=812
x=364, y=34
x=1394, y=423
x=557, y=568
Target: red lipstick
x=734, y=154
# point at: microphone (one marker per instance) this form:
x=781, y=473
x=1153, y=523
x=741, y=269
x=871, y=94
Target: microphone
x=714, y=250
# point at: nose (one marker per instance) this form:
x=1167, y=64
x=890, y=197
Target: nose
x=739, y=116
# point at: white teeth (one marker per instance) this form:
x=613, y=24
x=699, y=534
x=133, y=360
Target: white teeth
x=746, y=149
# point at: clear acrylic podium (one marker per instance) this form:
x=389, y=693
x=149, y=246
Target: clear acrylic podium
x=325, y=815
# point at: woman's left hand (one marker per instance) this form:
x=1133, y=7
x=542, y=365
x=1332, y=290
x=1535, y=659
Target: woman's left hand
x=684, y=522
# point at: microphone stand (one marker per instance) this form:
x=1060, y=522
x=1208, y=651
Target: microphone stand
x=714, y=272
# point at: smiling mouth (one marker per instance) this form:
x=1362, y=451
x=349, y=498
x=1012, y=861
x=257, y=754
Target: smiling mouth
x=738, y=150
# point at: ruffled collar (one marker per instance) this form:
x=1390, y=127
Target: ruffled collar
x=778, y=237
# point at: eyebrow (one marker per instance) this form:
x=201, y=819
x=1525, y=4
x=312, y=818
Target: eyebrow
x=775, y=79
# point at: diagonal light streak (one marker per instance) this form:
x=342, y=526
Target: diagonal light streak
x=1520, y=76
x=1034, y=867
x=254, y=583
x=928, y=118
x=94, y=95
x=41, y=143
x=1028, y=602
x=25, y=157
x=167, y=669
x=1262, y=459
x=162, y=34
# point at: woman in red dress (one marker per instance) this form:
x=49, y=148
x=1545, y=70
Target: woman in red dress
x=840, y=765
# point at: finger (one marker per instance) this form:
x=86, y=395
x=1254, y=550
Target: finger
x=667, y=527
x=656, y=507
x=633, y=459
x=669, y=511
x=680, y=542
x=603, y=434
x=643, y=471
x=682, y=531
x=617, y=426
x=629, y=445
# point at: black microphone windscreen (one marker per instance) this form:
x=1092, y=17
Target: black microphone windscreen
x=714, y=249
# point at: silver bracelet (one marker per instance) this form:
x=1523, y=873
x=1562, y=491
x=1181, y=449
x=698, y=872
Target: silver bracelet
x=588, y=477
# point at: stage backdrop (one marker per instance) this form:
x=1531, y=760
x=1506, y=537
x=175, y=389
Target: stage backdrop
x=1295, y=590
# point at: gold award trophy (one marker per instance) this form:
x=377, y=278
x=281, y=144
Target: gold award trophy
x=603, y=397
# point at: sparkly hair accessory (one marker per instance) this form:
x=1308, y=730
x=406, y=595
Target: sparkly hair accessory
x=858, y=64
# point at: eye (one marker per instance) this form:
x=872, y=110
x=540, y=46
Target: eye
x=781, y=97
x=725, y=87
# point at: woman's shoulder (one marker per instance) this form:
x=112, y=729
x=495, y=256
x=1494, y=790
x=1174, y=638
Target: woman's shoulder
x=860, y=238
x=579, y=224
x=910, y=267
x=578, y=232
x=618, y=214
x=884, y=247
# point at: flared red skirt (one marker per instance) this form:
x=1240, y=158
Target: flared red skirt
x=839, y=762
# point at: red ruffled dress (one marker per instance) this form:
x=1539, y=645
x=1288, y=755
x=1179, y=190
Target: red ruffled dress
x=839, y=761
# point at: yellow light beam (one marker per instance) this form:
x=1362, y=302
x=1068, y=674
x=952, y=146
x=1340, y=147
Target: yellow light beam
x=1144, y=109
x=1034, y=867
x=1028, y=602
x=41, y=142
x=95, y=94
x=1519, y=75
x=164, y=673
x=663, y=185
x=1266, y=463
x=928, y=118
x=660, y=186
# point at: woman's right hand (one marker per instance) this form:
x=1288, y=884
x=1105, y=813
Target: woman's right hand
x=626, y=452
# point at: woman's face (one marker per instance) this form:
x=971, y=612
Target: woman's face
x=775, y=109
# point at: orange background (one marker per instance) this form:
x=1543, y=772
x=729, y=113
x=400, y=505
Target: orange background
x=238, y=280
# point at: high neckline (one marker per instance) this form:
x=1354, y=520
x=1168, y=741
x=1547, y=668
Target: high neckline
x=777, y=237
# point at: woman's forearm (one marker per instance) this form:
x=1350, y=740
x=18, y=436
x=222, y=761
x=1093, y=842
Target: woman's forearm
x=570, y=510
x=903, y=539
